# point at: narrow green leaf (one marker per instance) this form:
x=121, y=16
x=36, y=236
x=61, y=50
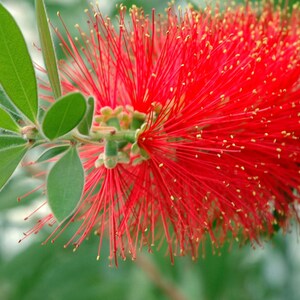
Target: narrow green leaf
x=7, y=122
x=17, y=75
x=47, y=47
x=65, y=185
x=52, y=152
x=7, y=141
x=64, y=115
x=85, y=125
x=6, y=104
x=12, y=150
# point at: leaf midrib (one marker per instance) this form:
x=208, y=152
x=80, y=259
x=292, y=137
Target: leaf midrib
x=15, y=70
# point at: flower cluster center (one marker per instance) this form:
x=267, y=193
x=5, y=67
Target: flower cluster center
x=119, y=130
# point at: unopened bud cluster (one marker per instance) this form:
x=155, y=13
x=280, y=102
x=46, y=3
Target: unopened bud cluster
x=119, y=129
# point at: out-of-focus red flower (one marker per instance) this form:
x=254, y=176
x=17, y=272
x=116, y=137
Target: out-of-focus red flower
x=218, y=154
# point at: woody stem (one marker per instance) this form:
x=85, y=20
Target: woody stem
x=157, y=278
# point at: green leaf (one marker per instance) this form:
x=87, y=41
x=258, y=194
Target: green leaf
x=12, y=150
x=64, y=115
x=47, y=48
x=7, y=141
x=52, y=152
x=7, y=122
x=6, y=104
x=17, y=75
x=85, y=125
x=65, y=185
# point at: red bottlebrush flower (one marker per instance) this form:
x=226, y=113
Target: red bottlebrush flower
x=213, y=101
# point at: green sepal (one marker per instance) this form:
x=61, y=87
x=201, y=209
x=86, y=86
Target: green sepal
x=110, y=154
x=136, y=123
x=114, y=122
x=111, y=148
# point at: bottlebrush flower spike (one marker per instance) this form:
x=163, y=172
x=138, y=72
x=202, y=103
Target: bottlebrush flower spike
x=210, y=101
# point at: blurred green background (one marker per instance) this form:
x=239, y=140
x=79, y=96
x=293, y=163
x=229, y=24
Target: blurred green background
x=29, y=271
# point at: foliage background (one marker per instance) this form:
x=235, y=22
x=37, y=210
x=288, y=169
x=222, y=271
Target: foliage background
x=29, y=271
